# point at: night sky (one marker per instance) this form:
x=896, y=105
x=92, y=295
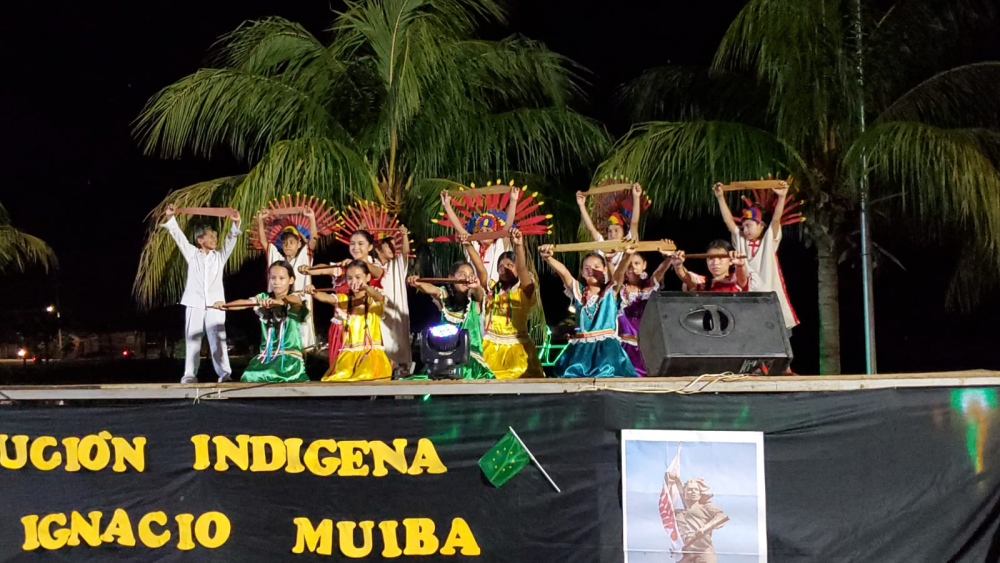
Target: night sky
x=76, y=74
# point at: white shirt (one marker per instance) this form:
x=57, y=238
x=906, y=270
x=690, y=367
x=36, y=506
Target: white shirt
x=762, y=258
x=204, y=275
x=396, y=321
x=613, y=260
x=303, y=258
x=491, y=258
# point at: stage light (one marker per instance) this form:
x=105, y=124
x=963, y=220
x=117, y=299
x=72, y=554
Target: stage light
x=22, y=353
x=443, y=349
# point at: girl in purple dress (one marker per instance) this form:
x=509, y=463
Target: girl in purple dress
x=635, y=291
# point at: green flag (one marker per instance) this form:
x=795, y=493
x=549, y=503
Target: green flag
x=504, y=460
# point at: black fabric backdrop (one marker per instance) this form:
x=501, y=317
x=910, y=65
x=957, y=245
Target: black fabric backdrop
x=880, y=476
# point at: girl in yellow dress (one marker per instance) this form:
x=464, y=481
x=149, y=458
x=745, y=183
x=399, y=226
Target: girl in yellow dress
x=507, y=347
x=360, y=311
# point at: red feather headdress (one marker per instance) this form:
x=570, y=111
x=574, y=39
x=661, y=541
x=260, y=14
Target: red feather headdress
x=479, y=212
x=372, y=217
x=281, y=220
x=615, y=208
x=764, y=201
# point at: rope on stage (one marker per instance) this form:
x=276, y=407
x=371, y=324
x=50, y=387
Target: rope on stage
x=690, y=388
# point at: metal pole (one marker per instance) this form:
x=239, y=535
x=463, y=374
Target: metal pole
x=867, y=288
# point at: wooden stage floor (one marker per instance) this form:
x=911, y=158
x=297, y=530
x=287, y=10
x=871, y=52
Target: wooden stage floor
x=683, y=385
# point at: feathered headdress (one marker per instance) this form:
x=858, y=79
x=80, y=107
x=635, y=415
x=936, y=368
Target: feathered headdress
x=764, y=201
x=615, y=208
x=287, y=216
x=482, y=212
x=372, y=217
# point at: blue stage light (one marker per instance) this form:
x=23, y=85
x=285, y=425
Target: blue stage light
x=444, y=348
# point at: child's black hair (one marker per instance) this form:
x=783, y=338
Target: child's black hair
x=455, y=301
x=284, y=264
x=290, y=235
x=201, y=230
x=720, y=243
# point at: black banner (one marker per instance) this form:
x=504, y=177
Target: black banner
x=906, y=475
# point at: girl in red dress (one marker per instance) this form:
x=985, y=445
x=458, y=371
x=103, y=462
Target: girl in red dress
x=728, y=269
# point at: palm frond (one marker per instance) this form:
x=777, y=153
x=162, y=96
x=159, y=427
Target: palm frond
x=959, y=97
x=803, y=51
x=946, y=176
x=19, y=251
x=677, y=163
x=161, y=274
x=229, y=107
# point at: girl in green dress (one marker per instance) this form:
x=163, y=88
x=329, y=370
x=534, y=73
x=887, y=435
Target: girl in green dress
x=461, y=305
x=280, y=359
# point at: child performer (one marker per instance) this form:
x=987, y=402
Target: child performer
x=728, y=269
x=595, y=351
x=361, y=244
x=202, y=290
x=760, y=244
x=362, y=355
x=489, y=251
x=507, y=346
x=617, y=221
x=636, y=288
x=461, y=305
x=281, y=313
x=296, y=248
x=396, y=323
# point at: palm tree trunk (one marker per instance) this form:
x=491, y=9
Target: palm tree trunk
x=829, y=305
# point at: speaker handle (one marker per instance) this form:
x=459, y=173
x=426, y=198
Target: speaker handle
x=712, y=316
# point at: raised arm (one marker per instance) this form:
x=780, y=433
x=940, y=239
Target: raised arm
x=446, y=203
x=313, y=230
x=547, y=254
x=183, y=244
x=742, y=273
x=234, y=233
x=661, y=270
x=677, y=260
x=515, y=194
x=524, y=276
x=405, y=252
x=619, y=274
x=633, y=228
x=261, y=230
x=581, y=201
x=476, y=260
x=727, y=215
x=779, y=210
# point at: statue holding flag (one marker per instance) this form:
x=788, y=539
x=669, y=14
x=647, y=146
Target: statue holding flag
x=696, y=521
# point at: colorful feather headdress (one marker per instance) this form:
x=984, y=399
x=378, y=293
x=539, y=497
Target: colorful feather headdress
x=615, y=208
x=287, y=215
x=489, y=212
x=372, y=217
x=764, y=201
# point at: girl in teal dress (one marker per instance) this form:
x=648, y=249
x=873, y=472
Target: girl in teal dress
x=280, y=359
x=461, y=305
x=596, y=350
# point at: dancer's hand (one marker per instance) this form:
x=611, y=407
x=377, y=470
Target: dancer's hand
x=737, y=258
x=169, y=211
x=666, y=242
x=516, y=237
x=473, y=282
x=403, y=231
x=676, y=257
x=636, y=190
x=412, y=281
x=445, y=198
x=304, y=270
x=546, y=251
x=515, y=193
x=309, y=288
x=718, y=191
x=264, y=214
x=308, y=212
x=782, y=190
x=235, y=216
x=292, y=299
x=464, y=239
x=220, y=305
x=581, y=199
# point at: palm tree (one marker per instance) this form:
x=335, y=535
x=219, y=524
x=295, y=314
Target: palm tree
x=19, y=250
x=403, y=99
x=785, y=96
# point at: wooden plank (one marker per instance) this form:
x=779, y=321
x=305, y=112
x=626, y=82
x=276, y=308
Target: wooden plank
x=613, y=246
x=752, y=185
x=490, y=190
x=596, y=190
x=207, y=211
x=287, y=210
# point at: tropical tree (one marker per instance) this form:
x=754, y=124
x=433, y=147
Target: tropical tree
x=19, y=250
x=403, y=99
x=795, y=89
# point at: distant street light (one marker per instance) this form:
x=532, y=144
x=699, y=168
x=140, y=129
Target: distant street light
x=51, y=309
x=22, y=353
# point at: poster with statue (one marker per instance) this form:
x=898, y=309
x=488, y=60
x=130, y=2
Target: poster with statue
x=693, y=497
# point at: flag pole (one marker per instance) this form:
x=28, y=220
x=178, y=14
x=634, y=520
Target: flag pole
x=532, y=456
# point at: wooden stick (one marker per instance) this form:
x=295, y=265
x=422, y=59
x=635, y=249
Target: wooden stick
x=752, y=185
x=706, y=255
x=607, y=189
x=288, y=210
x=441, y=281
x=613, y=246
x=209, y=211
x=497, y=189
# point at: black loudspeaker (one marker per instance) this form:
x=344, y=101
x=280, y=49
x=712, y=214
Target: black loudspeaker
x=692, y=333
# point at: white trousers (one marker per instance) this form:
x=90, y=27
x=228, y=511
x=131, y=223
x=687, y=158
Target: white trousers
x=199, y=322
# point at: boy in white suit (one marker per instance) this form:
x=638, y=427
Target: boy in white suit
x=202, y=290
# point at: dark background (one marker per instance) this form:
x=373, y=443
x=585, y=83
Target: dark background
x=76, y=75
